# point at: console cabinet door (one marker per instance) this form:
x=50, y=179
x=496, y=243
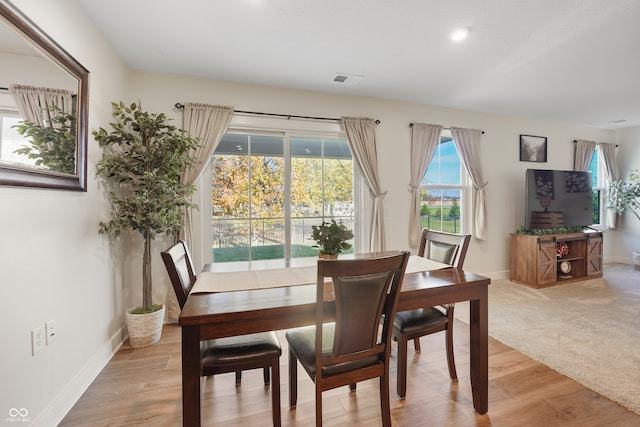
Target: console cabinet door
x=594, y=256
x=547, y=265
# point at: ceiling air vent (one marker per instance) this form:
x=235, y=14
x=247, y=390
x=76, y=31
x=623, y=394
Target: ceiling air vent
x=347, y=79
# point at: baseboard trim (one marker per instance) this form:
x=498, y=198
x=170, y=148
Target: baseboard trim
x=497, y=275
x=62, y=404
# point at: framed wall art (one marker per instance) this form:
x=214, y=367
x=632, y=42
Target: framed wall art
x=533, y=148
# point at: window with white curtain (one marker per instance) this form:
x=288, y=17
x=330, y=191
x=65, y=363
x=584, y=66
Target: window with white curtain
x=443, y=189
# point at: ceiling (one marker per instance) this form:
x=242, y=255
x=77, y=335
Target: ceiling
x=569, y=60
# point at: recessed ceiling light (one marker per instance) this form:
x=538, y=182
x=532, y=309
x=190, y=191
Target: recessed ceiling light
x=460, y=34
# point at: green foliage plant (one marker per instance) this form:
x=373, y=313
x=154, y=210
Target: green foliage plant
x=143, y=160
x=53, y=146
x=331, y=238
x=625, y=195
x=543, y=231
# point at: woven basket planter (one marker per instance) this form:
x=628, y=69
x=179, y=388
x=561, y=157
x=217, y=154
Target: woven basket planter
x=145, y=329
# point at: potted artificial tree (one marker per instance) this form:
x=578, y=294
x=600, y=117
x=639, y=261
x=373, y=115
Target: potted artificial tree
x=331, y=238
x=143, y=160
x=625, y=196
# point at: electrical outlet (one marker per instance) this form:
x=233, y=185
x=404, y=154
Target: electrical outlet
x=37, y=340
x=51, y=330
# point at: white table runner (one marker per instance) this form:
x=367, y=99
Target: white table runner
x=277, y=277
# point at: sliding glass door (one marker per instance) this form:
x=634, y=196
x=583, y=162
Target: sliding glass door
x=269, y=189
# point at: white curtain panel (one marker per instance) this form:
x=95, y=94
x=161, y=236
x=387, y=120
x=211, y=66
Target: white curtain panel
x=467, y=142
x=583, y=154
x=361, y=135
x=208, y=123
x=611, y=174
x=424, y=141
x=33, y=102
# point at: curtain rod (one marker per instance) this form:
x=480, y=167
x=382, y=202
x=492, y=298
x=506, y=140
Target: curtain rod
x=6, y=89
x=575, y=140
x=411, y=125
x=288, y=116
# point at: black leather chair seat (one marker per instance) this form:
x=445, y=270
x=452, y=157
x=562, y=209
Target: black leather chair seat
x=417, y=321
x=302, y=341
x=241, y=349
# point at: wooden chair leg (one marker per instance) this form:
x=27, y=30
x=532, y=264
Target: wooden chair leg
x=293, y=380
x=275, y=392
x=238, y=377
x=318, y=407
x=401, y=385
x=416, y=344
x=451, y=363
x=352, y=388
x=385, y=407
x=265, y=374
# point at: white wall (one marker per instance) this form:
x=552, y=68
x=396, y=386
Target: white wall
x=500, y=147
x=55, y=265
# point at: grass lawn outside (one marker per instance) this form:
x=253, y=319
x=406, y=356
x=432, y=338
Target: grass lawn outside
x=241, y=253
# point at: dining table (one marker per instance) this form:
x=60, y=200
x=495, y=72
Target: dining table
x=285, y=297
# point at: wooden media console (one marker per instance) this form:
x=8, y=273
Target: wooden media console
x=535, y=263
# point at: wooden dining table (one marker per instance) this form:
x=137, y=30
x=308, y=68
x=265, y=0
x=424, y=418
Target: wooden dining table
x=231, y=313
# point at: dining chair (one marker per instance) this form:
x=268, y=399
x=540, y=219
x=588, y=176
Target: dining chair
x=447, y=248
x=346, y=348
x=232, y=354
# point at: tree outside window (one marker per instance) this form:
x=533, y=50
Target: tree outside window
x=269, y=190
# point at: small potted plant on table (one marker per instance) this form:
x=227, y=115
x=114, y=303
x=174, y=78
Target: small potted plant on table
x=331, y=239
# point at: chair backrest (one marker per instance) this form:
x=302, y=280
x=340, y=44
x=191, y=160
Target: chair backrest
x=448, y=248
x=365, y=288
x=178, y=262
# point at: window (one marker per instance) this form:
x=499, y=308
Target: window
x=596, y=167
x=11, y=140
x=268, y=189
x=442, y=190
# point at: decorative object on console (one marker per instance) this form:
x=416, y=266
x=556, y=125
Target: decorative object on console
x=562, y=249
x=143, y=160
x=533, y=148
x=331, y=238
x=565, y=267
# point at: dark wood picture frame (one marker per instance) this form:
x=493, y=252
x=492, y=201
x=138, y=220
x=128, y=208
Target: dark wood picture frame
x=533, y=148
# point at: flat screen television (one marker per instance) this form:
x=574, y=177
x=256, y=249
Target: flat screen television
x=557, y=199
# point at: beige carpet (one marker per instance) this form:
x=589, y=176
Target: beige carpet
x=588, y=331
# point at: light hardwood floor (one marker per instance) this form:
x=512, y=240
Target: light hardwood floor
x=142, y=387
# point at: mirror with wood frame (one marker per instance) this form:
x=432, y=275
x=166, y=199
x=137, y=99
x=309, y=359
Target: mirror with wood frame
x=43, y=108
